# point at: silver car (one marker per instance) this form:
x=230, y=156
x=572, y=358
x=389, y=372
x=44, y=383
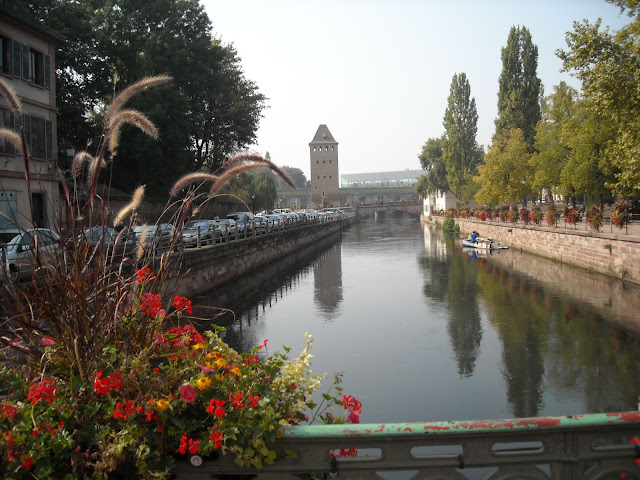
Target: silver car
x=19, y=248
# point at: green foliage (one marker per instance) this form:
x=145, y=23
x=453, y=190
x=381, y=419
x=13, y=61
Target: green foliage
x=210, y=111
x=450, y=226
x=460, y=151
x=553, y=133
x=265, y=192
x=506, y=165
x=520, y=88
x=607, y=65
x=433, y=162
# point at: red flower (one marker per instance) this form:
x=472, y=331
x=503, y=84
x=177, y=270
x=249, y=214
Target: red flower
x=143, y=274
x=124, y=411
x=47, y=341
x=105, y=385
x=182, y=304
x=27, y=463
x=217, y=438
x=215, y=407
x=8, y=411
x=45, y=390
x=236, y=400
x=254, y=401
x=263, y=345
x=187, y=393
x=151, y=304
x=188, y=444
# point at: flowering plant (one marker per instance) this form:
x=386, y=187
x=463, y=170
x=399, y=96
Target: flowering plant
x=551, y=216
x=535, y=215
x=524, y=215
x=594, y=218
x=503, y=214
x=102, y=368
x=512, y=215
x=620, y=213
x=571, y=215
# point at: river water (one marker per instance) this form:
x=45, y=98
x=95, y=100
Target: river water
x=426, y=331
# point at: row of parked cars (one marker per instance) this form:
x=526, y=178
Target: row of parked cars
x=18, y=246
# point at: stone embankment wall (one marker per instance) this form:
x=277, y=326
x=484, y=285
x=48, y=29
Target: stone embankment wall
x=617, y=255
x=215, y=265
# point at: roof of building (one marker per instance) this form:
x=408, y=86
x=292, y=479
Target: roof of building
x=402, y=178
x=323, y=135
x=16, y=10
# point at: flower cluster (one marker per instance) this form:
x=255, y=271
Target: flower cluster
x=190, y=394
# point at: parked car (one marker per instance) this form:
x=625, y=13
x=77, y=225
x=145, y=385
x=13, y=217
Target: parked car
x=155, y=237
x=115, y=242
x=244, y=222
x=200, y=232
x=18, y=251
x=261, y=225
x=228, y=228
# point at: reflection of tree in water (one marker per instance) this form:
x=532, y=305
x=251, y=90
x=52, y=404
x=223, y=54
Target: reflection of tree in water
x=552, y=339
x=451, y=280
x=328, y=283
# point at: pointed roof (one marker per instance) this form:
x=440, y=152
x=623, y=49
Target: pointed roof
x=323, y=135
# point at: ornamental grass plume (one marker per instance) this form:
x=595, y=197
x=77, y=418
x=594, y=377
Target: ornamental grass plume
x=103, y=372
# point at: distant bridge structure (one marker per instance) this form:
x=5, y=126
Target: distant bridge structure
x=412, y=208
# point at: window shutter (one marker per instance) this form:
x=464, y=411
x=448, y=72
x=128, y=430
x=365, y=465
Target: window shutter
x=25, y=63
x=26, y=125
x=17, y=59
x=47, y=71
x=48, y=133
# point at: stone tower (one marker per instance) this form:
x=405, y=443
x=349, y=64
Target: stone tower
x=325, y=181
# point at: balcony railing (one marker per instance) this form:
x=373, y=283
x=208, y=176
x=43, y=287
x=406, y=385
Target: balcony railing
x=593, y=446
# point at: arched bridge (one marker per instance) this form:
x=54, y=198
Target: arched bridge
x=414, y=209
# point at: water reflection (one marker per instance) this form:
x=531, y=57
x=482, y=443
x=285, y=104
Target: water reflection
x=427, y=331
x=555, y=349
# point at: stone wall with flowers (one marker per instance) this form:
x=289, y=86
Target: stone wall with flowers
x=617, y=255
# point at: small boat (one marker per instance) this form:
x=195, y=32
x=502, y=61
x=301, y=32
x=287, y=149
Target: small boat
x=482, y=244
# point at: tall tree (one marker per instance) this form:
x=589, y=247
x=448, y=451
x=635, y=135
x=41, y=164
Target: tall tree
x=608, y=65
x=505, y=167
x=435, y=178
x=265, y=192
x=552, y=138
x=520, y=88
x=460, y=150
x=209, y=111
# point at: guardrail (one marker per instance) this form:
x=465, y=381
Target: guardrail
x=591, y=446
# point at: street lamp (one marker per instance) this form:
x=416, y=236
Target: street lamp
x=524, y=198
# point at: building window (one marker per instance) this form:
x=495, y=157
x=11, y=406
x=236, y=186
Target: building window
x=39, y=135
x=317, y=161
x=5, y=55
x=329, y=176
x=36, y=66
x=318, y=177
x=6, y=121
x=324, y=161
x=329, y=161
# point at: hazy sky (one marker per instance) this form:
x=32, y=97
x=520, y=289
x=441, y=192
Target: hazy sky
x=378, y=72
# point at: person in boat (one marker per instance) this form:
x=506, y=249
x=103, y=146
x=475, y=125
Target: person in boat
x=474, y=237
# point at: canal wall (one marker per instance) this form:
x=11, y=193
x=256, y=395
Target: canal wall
x=616, y=255
x=205, y=268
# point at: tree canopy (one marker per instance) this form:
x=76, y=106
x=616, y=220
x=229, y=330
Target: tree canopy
x=460, y=150
x=520, y=89
x=209, y=111
x=608, y=64
x=432, y=161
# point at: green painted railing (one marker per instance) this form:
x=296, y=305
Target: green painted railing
x=593, y=446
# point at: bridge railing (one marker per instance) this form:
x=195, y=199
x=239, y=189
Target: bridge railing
x=594, y=446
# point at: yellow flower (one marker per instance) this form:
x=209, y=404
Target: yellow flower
x=162, y=404
x=221, y=362
x=219, y=377
x=203, y=383
x=198, y=346
x=236, y=371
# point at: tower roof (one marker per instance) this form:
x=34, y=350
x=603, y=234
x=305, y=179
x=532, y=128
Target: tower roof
x=323, y=135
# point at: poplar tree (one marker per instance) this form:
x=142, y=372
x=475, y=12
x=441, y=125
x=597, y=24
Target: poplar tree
x=460, y=150
x=520, y=88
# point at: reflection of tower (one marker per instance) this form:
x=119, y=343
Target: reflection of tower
x=328, y=283
x=324, y=168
